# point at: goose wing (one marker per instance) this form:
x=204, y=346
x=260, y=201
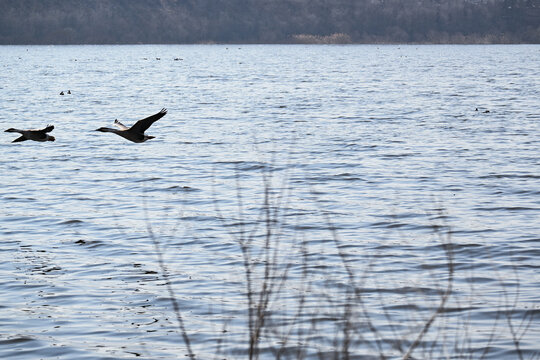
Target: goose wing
x=19, y=139
x=142, y=125
x=49, y=128
x=120, y=125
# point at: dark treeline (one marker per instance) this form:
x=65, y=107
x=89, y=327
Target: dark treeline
x=268, y=21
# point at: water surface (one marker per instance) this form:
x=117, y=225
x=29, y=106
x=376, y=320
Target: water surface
x=369, y=156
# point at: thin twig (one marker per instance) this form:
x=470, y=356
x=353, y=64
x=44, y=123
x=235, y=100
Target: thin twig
x=170, y=290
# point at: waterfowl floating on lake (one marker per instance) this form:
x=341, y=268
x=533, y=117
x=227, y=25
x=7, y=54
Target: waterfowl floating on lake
x=135, y=133
x=35, y=135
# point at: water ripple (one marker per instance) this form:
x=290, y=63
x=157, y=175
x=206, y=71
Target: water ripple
x=353, y=182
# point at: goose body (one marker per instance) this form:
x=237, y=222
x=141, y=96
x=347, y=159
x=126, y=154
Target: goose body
x=135, y=133
x=35, y=135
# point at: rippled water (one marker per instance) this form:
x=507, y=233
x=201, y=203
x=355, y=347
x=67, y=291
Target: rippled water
x=362, y=174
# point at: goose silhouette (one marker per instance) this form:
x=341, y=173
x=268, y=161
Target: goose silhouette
x=135, y=133
x=33, y=134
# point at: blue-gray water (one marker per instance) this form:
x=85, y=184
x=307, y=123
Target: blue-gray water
x=382, y=143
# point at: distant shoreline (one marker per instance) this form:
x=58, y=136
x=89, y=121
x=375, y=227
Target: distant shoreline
x=108, y=22
x=389, y=43
x=309, y=39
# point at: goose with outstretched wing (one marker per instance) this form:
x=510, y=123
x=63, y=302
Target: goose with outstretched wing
x=33, y=134
x=135, y=133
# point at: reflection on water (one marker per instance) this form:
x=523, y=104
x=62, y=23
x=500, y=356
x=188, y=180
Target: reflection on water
x=356, y=187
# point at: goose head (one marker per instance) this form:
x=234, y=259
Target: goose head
x=105, y=129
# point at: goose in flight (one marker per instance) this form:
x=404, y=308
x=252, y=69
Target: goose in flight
x=135, y=133
x=36, y=135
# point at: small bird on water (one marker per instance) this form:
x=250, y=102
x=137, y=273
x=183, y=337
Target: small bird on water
x=34, y=134
x=135, y=133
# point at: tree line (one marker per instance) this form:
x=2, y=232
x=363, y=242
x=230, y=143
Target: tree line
x=268, y=21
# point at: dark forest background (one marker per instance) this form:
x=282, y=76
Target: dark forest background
x=268, y=21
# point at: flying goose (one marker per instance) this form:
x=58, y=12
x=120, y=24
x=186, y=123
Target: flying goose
x=34, y=134
x=135, y=133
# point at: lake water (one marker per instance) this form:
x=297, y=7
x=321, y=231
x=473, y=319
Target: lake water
x=368, y=194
